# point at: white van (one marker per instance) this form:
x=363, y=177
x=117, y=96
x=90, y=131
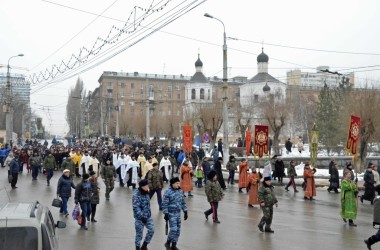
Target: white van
x=28, y=226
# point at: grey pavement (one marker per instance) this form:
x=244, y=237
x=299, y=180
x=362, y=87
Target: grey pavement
x=298, y=224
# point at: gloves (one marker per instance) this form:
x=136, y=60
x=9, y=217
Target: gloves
x=185, y=216
x=166, y=217
x=144, y=220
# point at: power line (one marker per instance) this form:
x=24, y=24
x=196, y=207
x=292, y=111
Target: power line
x=310, y=49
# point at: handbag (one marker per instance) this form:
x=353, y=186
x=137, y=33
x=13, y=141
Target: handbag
x=56, y=203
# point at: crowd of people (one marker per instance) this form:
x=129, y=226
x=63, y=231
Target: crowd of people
x=147, y=168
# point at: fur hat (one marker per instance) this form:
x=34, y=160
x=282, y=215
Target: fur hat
x=174, y=180
x=143, y=182
x=85, y=176
x=211, y=175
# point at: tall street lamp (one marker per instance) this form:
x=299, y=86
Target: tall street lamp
x=225, y=96
x=8, y=104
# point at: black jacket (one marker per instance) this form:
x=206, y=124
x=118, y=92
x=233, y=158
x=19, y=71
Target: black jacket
x=83, y=192
x=64, y=186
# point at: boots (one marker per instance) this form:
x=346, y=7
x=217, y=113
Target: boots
x=351, y=223
x=174, y=246
x=261, y=227
x=268, y=229
x=370, y=241
x=144, y=246
x=167, y=244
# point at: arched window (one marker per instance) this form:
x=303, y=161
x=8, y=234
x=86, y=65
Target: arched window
x=193, y=94
x=208, y=94
x=202, y=94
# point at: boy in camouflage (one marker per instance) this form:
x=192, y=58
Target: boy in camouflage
x=267, y=199
x=214, y=194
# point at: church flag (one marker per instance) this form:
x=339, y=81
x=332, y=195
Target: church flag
x=261, y=140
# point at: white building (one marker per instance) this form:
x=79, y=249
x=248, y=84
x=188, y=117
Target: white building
x=261, y=85
x=318, y=78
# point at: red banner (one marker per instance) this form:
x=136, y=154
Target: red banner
x=248, y=139
x=187, y=139
x=261, y=140
x=353, y=135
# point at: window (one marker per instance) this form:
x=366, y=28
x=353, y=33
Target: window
x=202, y=94
x=132, y=95
x=132, y=85
x=178, y=112
x=170, y=88
x=142, y=86
x=178, y=87
x=142, y=95
x=132, y=110
x=170, y=95
x=208, y=94
x=122, y=94
x=132, y=104
x=169, y=112
x=193, y=94
x=122, y=85
x=122, y=103
x=110, y=85
x=19, y=237
x=160, y=87
x=160, y=96
x=122, y=110
x=178, y=96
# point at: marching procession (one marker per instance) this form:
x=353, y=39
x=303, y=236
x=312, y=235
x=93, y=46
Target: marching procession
x=172, y=174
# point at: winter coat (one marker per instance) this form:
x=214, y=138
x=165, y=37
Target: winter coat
x=292, y=171
x=369, y=179
x=83, y=192
x=213, y=191
x=35, y=161
x=288, y=146
x=231, y=165
x=95, y=191
x=253, y=188
x=173, y=201
x=155, y=179
x=266, y=195
x=308, y=175
x=68, y=164
x=14, y=166
x=49, y=162
x=279, y=168
x=108, y=172
x=64, y=186
x=141, y=204
x=206, y=167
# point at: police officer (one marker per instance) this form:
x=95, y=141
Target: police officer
x=172, y=205
x=267, y=199
x=108, y=173
x=142, y=214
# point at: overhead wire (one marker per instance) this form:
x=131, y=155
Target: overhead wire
x=161, y=24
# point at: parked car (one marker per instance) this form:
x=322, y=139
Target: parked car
x=28, y=226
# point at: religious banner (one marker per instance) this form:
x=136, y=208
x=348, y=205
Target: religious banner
x=353, y=135
x=314, y=138
x=261, y=140
x=187, y=139
x=248, y=139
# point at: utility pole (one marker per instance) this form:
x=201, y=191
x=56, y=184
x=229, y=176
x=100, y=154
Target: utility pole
x=147, y=112
x=8, y=104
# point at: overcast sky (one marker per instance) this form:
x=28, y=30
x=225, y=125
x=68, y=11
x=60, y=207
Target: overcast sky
x=48, y=33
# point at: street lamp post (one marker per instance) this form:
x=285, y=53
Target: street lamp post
x=225, y=95
x=8, y=104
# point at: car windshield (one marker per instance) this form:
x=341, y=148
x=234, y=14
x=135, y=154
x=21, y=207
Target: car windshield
x=18, y=238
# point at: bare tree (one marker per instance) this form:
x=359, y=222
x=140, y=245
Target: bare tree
x=74, y=107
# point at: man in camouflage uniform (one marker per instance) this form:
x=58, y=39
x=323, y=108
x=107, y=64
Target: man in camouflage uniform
x=49, y=165
x=108, y=173
x=156, y=183
x=172, y=205
x=35, y=161
x=267, y=199
x=142, y=215
x=214, y=194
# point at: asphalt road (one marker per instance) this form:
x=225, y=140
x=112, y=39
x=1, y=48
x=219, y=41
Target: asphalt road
x=298, y=224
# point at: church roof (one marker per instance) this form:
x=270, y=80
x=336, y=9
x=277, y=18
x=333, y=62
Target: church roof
x=263, y=77
x=198, y=77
